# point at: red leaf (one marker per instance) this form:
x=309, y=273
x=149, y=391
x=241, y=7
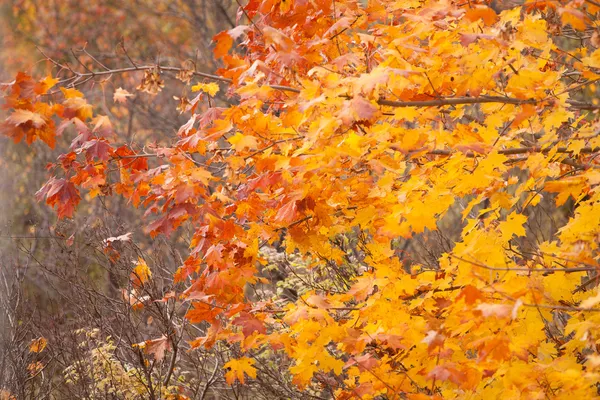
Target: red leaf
x=62, y=194
x=250, y=324
x=96, y=149
x=129, y=161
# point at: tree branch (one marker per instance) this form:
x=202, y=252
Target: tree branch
x=444, y=101
x=518, y=150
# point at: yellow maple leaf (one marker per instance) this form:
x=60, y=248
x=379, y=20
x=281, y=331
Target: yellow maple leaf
x=240, y=142
x=303, y=373
x=71, y=93
x=237, y=368
x=593, y=60
x=38, y=345
x=141, y=273
x=210, y=88
x=566, y=187
x=513, y=226
x=45, y=84
x=575, y=146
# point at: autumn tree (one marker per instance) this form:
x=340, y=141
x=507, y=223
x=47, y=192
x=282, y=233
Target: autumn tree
x=425, y=169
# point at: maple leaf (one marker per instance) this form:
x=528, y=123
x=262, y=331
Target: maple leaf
x=303, y=373
x=287, y=212
x=210, y=88
x=201, y=175
x=318, y=301
x=434, y=339
x=481, y=12
x=38, y=345
x=202, y=311
x=45, y=84
x=467, y=38
x=277, y=38
x=129, y=161
x=236, y=369
x=155, y=347
x=250, y=324
x=341, y=24
x=35, y=367
x=96, y=149
x=223, y=42
x=241, y=142
x=75, y=105
x=359, y=109
x=365, y=362
x=567, y=187
x=447, y=372
x=513, y=226
x=471, y=294
x=141, y=273
x=121, y=95
x=571, y=16
x=491, y=309
x=19, y=117
x=61, y=194
x=102, y=126
x=71, y=93
x=214, y=254
x=499, y=310
x=362, y=288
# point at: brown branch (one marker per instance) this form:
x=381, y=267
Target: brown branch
x=383, y=102
x=478, y=100
x=448, y=101
x=517, y=150
x=209, y=381
x=160, y=67
x=127, y=54
x=525, y=269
